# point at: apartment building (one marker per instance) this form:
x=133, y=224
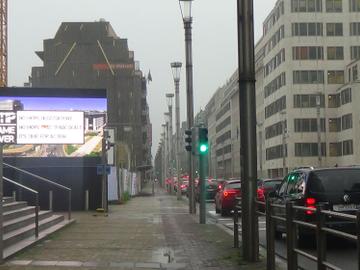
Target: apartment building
x=306, y=102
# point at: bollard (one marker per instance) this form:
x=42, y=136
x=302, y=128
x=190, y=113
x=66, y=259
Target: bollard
x=270, y=236
x=291, y=237
x=50, y=200
x=87, y=200
x=14, y=195
x=320, y=237
x=236, y=227
x=358, y=236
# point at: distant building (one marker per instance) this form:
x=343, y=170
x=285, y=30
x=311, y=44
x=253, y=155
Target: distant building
x=11, y=105
x=94, y=121
x=91, y=55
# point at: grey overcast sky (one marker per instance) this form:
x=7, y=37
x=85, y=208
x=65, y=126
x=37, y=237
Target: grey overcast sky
x=155, y=33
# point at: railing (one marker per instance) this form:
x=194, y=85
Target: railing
x=47, y=181
x=292, y=223
x=36, y=202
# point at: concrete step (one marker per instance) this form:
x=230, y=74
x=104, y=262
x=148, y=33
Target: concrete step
x=23, y=221
x=29, y=241
x=13, y=206
x=13, y=237
x=18, y=213
x=8, y=199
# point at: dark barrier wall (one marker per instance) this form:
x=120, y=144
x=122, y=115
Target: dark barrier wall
x=79, y=174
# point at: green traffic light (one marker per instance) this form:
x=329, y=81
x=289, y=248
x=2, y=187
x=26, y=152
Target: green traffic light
x=203, y=148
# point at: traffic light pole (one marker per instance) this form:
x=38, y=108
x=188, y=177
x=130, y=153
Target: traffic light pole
x=202, y=183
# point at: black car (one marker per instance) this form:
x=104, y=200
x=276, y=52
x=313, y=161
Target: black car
x=211, y=186
x=337, y=188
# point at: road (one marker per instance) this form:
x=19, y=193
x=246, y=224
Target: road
x=340, y=252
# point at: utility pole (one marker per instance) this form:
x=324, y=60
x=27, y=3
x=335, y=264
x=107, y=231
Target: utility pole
x=169, y=98
x=318, y=124
x=247, y=103
x=165, y=155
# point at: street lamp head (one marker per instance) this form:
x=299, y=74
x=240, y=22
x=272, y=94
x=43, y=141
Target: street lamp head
x=169, y=97
x=176, y=69
x=185, y=6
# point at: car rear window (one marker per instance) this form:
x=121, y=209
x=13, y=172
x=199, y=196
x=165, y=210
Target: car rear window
x=335, y=181
x=235, y=185
x=272, y=184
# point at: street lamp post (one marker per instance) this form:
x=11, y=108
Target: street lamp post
x=176, y=68
x=247, y=104
x=165, y=153
x=185, y=6
x=169, y=100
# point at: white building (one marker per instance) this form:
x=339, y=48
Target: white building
x=302, y=63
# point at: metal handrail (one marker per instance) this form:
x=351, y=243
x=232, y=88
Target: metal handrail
x=320, y=228
x=47, y=181
x=36, y=202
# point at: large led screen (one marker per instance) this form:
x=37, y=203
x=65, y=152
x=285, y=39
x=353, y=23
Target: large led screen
x=46, y=122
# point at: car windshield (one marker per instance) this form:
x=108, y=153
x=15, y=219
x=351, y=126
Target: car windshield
x=335, y=181
x=235, y=185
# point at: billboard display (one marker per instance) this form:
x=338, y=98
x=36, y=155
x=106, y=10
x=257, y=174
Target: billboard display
x=46, y=122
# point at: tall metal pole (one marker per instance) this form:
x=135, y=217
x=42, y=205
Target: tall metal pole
x=202, y=199
x=190, y=109
x=171, y=156
x=318, y=124
x=250, y=230
x=260, y=148
x=177, y=116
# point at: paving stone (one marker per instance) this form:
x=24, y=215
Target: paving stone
x=122, y=264
x=148, y=265
x=20, y=262
x=44, y=263
x=69, y=263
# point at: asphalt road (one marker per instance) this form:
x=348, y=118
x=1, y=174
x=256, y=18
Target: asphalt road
x=340, y=252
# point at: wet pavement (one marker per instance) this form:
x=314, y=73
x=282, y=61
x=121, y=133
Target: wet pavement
x=148, y=232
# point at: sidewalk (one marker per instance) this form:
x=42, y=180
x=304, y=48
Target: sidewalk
x=149, y=232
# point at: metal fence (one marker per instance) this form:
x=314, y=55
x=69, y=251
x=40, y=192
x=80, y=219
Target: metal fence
x=292, y=222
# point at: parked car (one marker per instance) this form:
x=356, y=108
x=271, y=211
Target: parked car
x=211, y=186
x=338, y=188
x=265, y=186
x=225, y=197
x=184, y=186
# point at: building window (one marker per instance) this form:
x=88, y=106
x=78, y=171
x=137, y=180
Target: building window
x=308, y=53
x=333, y=5
x=224, y=137
x=335, y=149
x=275, y=107
x=275, y=152
x=223, y=124
x=335, y=53
x=346, y=96
x=275, y=39
x=346, y=121
x=308, y=76
x=334, y=101
x=334, y=29
x=355, y=52
x=307, y=29
x=306, y=5
x=309, y=149
x=354, y=5
x=273, y=17
x=354, y=73
x=348, y=147
x=223, y=110
x=274, y=62
x=275, y=84
x=334, y=124
x=308, y=101
x=354, y=29
x=335, y=77
x=308, y=125
x=274, y=130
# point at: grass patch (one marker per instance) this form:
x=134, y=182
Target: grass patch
x=70, y=149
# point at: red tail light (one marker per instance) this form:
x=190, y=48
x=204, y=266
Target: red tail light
x=310, y=203
x=183, y=186
x=219, y=187
x=260, y=193
x=229, y=192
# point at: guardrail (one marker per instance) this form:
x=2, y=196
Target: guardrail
x=36, y=202
x=292, y=223
x=47, y=181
